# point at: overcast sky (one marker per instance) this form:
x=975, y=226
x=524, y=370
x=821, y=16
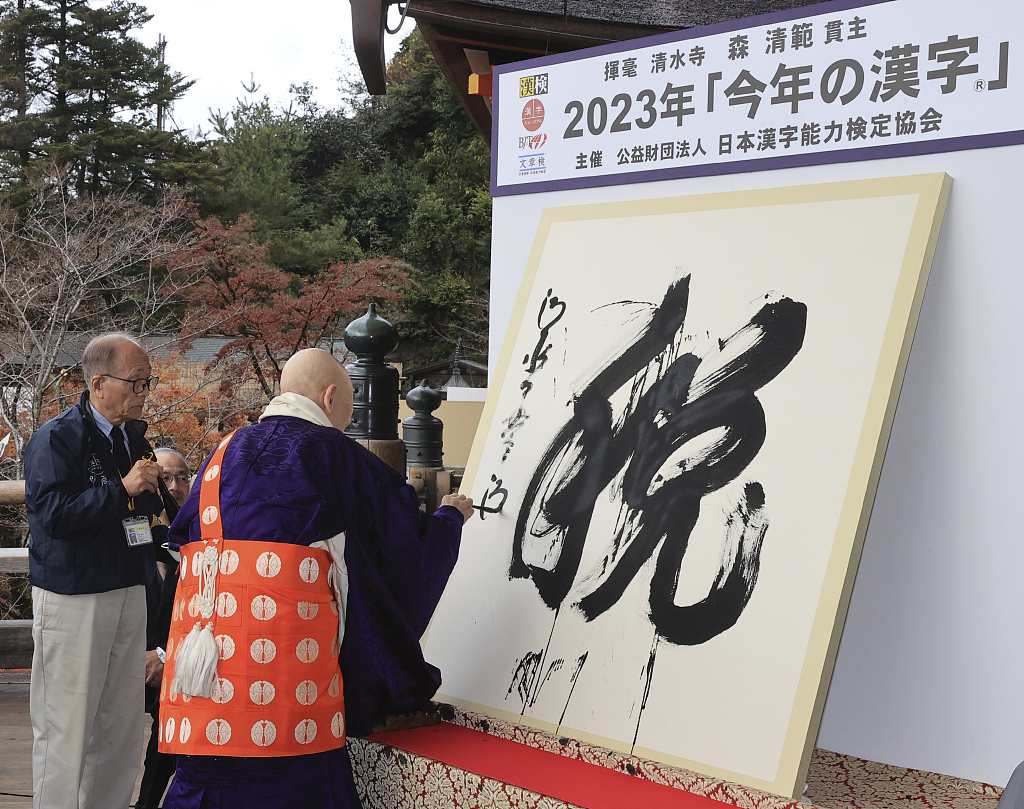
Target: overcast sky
x=220, y=42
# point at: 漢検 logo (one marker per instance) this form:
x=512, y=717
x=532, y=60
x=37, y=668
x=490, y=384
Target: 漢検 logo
x=533, y=85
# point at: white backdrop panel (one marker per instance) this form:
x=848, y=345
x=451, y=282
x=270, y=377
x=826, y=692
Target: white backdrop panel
x=928, y=669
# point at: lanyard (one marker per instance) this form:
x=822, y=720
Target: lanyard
x=148, y=458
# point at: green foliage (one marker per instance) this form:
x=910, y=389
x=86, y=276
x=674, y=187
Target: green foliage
x=258, y=146
x=419, y=103
x=402, y=175
x=78, y=89
x=258, y=149
x=410, y=175
x=315, y=248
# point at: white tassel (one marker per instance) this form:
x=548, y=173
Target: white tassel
x=195, y=665
x=208, y=581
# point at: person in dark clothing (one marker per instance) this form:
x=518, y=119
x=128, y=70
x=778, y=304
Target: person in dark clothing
x=91, y=491
x=159, y=767
x=294, y=532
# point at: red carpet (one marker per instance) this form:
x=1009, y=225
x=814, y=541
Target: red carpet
x=576, y=782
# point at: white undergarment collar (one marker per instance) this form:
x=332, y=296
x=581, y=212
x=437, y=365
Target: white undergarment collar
x=297, y=406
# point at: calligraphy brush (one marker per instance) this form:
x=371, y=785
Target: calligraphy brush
x=486, y=509
x=170, y=504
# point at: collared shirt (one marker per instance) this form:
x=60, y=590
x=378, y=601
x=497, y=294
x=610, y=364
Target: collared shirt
x=104, y=424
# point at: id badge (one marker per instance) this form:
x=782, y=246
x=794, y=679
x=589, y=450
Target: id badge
x=137, y=531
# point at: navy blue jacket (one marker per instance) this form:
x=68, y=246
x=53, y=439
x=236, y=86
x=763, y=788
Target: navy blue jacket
x=76, y=502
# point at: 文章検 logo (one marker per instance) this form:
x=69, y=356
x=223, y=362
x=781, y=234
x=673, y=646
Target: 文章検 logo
x=533, y=115
x=533, y=85
x=531, y=159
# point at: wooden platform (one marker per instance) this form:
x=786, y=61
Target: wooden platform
x=15, y=747
x=16, y=744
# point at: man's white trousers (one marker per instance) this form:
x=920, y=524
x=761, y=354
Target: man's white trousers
x=86, y=697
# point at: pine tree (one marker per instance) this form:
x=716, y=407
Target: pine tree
x=257, y=150
x=257, y=147
x=19, y=80
x=79, y=88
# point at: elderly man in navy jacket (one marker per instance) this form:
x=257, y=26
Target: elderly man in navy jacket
x=91, y=490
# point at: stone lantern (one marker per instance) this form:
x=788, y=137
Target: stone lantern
x=375, y=388
x=423, y=432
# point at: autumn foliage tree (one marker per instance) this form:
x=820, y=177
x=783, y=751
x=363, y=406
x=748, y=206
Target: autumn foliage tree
x=266, y=313
x=189, y=411
x=73, y=264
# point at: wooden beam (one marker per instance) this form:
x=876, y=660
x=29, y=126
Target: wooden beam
x=455, y=68
x=13, y=560
x=12, y=492
x=368, y=18
x=15, y=644
x=444, y=484
x=523, y=49
x=575, y=32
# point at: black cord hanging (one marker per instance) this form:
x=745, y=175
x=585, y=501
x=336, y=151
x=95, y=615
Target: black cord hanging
x=405, y=10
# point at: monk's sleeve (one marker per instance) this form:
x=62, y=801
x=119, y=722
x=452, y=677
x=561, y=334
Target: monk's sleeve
x=399, y=560
x=422, y=552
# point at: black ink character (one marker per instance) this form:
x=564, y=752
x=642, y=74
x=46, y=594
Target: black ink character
x=491, y=493
x=536, y=360
x=688, y=433
x=512, y=425
x=539, y=357
x=524, y=676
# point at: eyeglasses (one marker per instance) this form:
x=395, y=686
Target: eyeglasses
x=138, y=385
x=182, y=479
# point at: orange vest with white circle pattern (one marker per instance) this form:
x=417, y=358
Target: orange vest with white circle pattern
x=279, y=688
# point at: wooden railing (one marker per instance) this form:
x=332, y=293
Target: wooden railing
x=12, y=492
x=15, y=635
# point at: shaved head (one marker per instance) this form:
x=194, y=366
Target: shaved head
x=317, y=375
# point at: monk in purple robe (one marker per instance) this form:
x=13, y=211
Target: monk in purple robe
x=296, y=478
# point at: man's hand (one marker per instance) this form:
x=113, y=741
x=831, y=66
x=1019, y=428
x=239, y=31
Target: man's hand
x=154, y=669
x=143, y=477
x=461, y=502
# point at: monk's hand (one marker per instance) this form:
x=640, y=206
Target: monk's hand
x=143, y=477
x=461, y=502
x=154, y=668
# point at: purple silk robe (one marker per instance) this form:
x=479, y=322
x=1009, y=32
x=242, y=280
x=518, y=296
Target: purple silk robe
x=291, y=481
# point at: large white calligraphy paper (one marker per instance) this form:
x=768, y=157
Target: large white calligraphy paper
x=685, y=433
